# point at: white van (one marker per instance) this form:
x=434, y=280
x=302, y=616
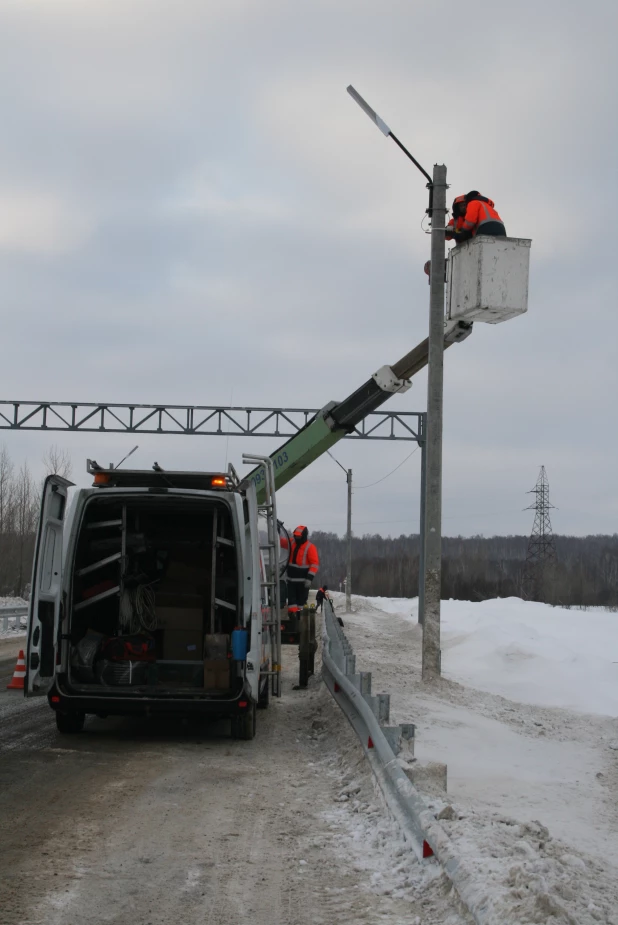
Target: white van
x=150, y=596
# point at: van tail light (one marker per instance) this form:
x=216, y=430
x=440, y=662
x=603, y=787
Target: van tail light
x=55, y=699
x=243, y=704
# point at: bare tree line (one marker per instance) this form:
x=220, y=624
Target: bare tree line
x=20, y=501
x=475, y=568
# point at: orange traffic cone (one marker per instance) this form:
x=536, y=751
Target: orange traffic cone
x=17, y=681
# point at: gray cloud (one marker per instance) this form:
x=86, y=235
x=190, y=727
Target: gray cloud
x=192, y=209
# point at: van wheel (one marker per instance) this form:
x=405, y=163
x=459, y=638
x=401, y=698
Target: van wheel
x=244, y=724
x=264, y=697
x=70, y=723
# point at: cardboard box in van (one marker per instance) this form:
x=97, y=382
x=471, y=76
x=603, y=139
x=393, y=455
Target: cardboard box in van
x=180, y=598
x=182, y=645
x=179, y=618
x=216, y=645
x=216, y=674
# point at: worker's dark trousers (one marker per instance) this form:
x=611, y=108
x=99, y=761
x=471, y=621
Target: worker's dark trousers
x=495, y=229
x=298, y=595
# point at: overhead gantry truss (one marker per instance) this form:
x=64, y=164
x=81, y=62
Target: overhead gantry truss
x=195, y=420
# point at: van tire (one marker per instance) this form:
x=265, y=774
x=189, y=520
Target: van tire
x=244, y=724
x=70, y=723
x=264, y=696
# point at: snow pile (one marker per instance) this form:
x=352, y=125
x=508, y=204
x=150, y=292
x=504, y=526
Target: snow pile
x=12, y=602
x=533, y=786
x=528, y=652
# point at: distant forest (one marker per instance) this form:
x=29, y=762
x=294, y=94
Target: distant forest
x=473, y=568
x=476, y=568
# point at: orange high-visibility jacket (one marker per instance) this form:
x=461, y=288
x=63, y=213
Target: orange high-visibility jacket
x=304, y=561
x=477, y=211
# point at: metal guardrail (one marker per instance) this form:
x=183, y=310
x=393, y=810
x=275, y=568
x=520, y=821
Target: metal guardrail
x=16, y=614
x=369, y=715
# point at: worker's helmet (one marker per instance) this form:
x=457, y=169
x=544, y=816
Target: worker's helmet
x=300, y=534
x=459, y=206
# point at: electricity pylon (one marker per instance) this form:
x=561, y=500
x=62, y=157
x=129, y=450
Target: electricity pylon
x=541, y=554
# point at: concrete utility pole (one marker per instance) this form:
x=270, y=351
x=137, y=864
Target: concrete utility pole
x=431, y=551
x=348, y=580
x=433, y=491
x=422, y=533
x=348, y=577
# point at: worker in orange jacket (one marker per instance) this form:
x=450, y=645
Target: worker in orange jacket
x=301, y=569
x=473, y=214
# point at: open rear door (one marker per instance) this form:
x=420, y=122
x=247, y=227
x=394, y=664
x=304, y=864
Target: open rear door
x=45, y=594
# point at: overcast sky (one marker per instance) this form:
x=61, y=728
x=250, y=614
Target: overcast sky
x=192, y=209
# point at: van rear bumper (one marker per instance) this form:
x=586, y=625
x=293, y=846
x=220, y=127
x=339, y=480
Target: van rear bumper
x=111, y=704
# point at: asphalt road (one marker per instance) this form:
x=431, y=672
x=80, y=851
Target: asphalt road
x=138, y=822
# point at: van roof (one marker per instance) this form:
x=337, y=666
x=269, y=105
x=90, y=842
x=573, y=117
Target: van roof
x=162, y=478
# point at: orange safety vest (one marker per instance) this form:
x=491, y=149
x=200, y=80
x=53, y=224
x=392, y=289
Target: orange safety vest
x=478, y=212
x=304, y=561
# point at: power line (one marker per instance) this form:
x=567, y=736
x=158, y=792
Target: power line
x=384, y=477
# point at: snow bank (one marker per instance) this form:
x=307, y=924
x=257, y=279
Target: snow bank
x=528, y=652
x=13, y=602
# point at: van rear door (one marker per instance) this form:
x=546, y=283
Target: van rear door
x=45, y=593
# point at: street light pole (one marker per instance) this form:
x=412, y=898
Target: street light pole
x=431, y=513
x=348, y=578
x=422, y=533
x=433, y=490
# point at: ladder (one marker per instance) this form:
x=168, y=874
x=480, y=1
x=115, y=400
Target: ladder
x=270, y=553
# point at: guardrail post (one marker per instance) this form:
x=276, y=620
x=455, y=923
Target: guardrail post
x=365, y=682
x=384, y=708
x=407, y=735
x=392, y=734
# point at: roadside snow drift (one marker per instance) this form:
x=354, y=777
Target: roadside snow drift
x=528, y=652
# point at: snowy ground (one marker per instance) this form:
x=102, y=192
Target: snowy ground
x=162, y=821
x=525, y=719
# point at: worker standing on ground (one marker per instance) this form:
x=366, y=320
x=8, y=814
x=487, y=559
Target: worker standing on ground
x=473, y=214
x=301, y=569
x=321, y=596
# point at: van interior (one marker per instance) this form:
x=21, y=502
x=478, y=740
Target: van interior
x=155, y=598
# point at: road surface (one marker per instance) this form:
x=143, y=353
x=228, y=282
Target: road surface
x=150, y=822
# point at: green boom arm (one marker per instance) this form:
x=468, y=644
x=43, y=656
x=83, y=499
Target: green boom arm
x=337, y=419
